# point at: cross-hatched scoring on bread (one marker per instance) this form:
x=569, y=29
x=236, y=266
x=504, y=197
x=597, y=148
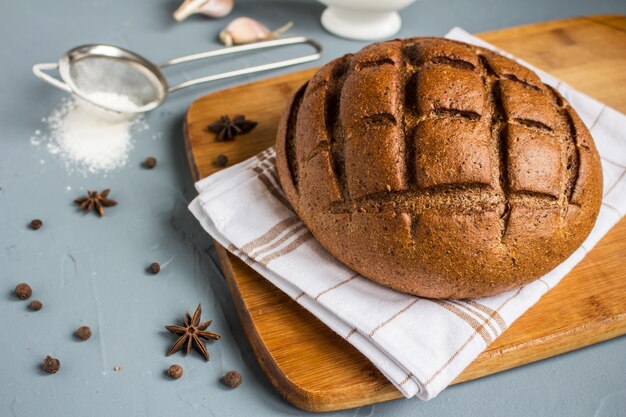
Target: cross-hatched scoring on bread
x=364, y=120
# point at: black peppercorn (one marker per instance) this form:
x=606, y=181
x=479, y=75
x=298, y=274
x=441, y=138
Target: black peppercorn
x=154, y=268
x=232, y=379
x=83, y=333
x=150, y=162
x=23, y=291
x=175, y=371
x=221, y=160
x=51, y=365
x=36, y=224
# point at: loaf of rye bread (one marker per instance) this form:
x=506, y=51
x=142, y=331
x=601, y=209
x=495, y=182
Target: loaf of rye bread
x=439, y=168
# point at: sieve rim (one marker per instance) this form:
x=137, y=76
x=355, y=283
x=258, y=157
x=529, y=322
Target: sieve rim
x=156, y=77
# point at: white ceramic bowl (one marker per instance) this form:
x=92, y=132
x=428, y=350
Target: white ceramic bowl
x=363, y=19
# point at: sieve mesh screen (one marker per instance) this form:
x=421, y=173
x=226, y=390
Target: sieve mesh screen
x=94, y=75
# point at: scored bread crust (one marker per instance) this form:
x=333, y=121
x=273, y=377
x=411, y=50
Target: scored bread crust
x=438, y=168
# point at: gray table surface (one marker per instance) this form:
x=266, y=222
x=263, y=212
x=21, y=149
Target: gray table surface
x=91, y=271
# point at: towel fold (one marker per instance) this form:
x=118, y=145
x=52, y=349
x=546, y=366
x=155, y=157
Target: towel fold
x=420, y=345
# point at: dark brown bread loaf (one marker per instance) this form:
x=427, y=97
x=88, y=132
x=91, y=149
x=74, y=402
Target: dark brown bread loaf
x=438, y=168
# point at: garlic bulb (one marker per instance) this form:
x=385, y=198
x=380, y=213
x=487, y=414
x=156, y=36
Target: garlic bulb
x=246, y=30
x=211, y=8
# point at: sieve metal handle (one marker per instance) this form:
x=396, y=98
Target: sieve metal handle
x=244, y=48
x=38, y=70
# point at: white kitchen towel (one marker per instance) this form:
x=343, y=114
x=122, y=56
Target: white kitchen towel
x=421, y=345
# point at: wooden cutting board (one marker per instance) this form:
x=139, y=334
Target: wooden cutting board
x=317, y=370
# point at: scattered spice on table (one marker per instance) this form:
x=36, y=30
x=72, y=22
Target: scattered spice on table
x=35, y=305
x=51, y=365
x=95, y=200
x=83, y=332
x=154, y=268
x=175, y=371
x=191, y=334
x=232, y=379
x=150, y=162
x=23, y=291
x=226, y=129
x=221, y=160
x=36, y=224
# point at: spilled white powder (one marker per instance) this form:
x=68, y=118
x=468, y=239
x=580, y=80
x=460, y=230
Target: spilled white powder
x=88, y=138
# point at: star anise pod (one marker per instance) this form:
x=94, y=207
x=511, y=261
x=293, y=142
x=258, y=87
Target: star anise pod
x=227, y=129
x=191, y=334
x=95, y=200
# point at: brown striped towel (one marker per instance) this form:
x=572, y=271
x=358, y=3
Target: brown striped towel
x=421, y=345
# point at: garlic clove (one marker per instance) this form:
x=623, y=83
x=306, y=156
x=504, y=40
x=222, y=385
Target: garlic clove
x=245, y=30
x=211, y=8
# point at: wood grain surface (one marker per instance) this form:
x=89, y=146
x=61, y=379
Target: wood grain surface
x=317, y=370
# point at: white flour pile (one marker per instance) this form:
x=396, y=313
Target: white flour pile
x=90, y=139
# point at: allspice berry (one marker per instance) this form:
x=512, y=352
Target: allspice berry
x=150, y=162
x=154, y=268
x=221, y=160
x=23, y=291
x=83, y=332
x=232, y=379
x=51, y=365
x=35, y=305
x=36, y=224
x=175, y=371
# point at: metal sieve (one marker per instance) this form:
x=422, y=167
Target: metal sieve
x=101, y=74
